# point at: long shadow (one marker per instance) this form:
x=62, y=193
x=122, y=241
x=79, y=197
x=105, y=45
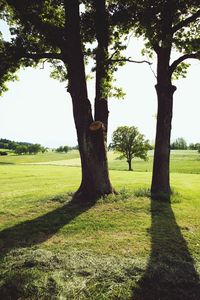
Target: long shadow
x=36, y=231
x=170, y=273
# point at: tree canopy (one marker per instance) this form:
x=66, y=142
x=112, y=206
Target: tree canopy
x=179, y=144
x=130, y=143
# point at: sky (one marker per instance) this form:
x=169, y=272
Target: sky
x=38, y=109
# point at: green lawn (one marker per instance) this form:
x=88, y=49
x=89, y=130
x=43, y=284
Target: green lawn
x=182, y=161
x=123, y=247
x=40, y=157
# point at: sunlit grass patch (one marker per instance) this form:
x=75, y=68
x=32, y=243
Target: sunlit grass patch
x=123, y=245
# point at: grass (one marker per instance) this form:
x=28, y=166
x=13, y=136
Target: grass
x=41, y=157
x=182, y=161
x=123, y=247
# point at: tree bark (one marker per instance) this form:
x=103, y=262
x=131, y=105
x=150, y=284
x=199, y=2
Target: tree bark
x=102, y=35
x=160, y=188
x=129, y=165
x=95, y=178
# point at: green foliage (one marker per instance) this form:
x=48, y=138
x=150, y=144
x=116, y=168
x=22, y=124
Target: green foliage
x=21, y=147
x=7, y=144
x=21, y=150
x=8, y=66
x=58, y=71
x=30, y=149
x=180, y=71
x=63, y=149
x=179, y=144
x=130, y=143
x=164, y=25
x=195, y=146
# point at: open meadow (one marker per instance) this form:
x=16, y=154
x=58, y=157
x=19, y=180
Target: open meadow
x=123, y=247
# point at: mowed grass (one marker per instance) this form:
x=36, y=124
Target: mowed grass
x=123, y=247
x=40, y=157
x=182, y=161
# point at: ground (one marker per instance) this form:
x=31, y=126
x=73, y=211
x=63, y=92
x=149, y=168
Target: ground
x=123, y=247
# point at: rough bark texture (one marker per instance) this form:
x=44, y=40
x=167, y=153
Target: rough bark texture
x=160, y=188
x=95, y=178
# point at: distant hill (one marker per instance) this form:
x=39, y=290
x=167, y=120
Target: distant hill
x=12, y=145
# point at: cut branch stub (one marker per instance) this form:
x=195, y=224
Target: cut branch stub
x=97, y=125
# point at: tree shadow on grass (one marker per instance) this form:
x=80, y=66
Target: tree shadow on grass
x=36, y=231
x=170, y=273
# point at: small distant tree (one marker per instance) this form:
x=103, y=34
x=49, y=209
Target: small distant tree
x=34, y=148
x=59, y=149
x=63, y=149
x=21, y=150
x=130, y=143
x=193, y=146
x=179, y=144
x=44, y=149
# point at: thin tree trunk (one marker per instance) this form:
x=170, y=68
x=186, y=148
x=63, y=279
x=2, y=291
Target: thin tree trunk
x=129, y=165
x=95, y=180
x=102, y=35
x=160, y=188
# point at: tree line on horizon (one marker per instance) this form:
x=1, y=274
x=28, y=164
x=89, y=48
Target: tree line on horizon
x=67, y=37
x=181, y=144
x=20, y=148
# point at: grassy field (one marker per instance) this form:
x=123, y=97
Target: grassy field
x=183, y=161
x=123, y=247
x=40, y=157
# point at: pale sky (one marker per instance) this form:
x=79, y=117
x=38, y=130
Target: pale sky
x=38, y=109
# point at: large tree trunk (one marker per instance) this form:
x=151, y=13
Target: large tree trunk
x=160, y=188
x=95, y=179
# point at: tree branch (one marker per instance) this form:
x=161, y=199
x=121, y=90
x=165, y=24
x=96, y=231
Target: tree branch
x=41, y=55
x=130, y=60
x=185, y=22
x=181, y=59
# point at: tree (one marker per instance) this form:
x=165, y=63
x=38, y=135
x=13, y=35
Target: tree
x=179, y=144
x=130, y=143
x=21, y=149
x=53, y=30
x=43, y=149
x=62, y=149
x=65, y=149
x=198, y=148
x=193, y=146
x=165, y=25
x=34, y=148
x=59, y=149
